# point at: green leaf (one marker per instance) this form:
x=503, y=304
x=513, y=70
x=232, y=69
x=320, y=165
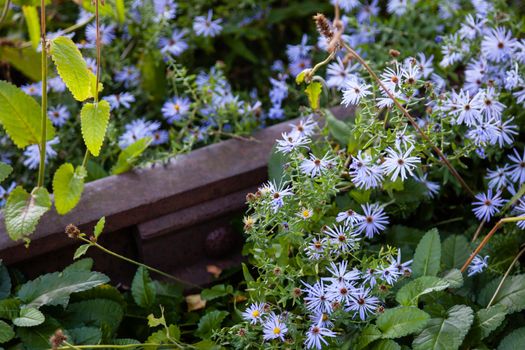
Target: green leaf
x=216, y=291
x=142, y=288
x=5, y=170
x=511, y=294
x=23, y=211
x=5, y=282
x=155, y=322
x=23, y=59
x=209, y=322
x=386, y=344
x=401, y=321
x=128, y=156
x=94, y=119
x=120, y=10
x=6, y=332
x=163, y=336
x=85, y=264
x=81, y=250
x=55, y=288
x=299, y=79
x=514, y=340
x=99, y=227
x=454, y=278
x=487, y=320
x=72, y=68
x=153, y=77
x=102, y=313
x=85, y=335
x=339, y=129
x=37, y=338
x=33, y=24
x=409, y=294
x=20, y=116
x=313, y=91
x=428, y=255
x=368, y=335
x=29, y=317
x=68, y=185
x=9, y=308
x=454, y=251
x=445, y=333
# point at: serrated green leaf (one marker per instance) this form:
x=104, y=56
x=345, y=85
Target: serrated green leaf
x=368, y=335
x=454, y=251
x=85, y=264
x=445, y=333
x=20, y=115
x=338, y=129
x=33, y=24
x=401, y=321
x=99, y=227
x=68, y=185
x=55, y=288
x=85, y=335
x=163, y=336
x=6, y=332
x=129, y=155
x=428, y=255
x=511, y=294
x=72, y=68
x=299, y=79
x=454, y=278
x=156, y=321
x=514, y=340
x=29, y=317
x=143, y=288
x=94, y=118
x=37, y=338
x=23, y=59
x=5, y=282
x=23, y=211
x=216, y=291
x=81, y=250
x=9, y=308
x=386, y=344
x=102, y=313
x=209, y=322
x=313, y=91
x=487, y=320
x=409, y=294
x=5, y=170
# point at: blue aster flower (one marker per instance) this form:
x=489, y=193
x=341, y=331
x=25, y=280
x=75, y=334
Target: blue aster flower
x=58, y=115
x=165, y=9
x=107, y=33
x=487, y=205
x=206, y=26
x=128, y=75
x=176, y=109
x=174, y=45
x=124, y=99
x=136, y=130
x=32, y=154
x=477, y=265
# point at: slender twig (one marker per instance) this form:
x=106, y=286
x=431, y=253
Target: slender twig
x=5, y=10
x=117, y=255
x=478, y=230
x=86, y=158
x=489, y=236
x=505, y=276
x=43, y=137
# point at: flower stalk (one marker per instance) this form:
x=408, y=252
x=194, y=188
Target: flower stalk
x=43, y=136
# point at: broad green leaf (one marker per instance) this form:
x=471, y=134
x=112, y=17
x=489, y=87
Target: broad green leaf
x=339, y=129
x=5, y=282
x=85, y=264
x=428, y=255
x=445, y=333
x=23, y=59
x=68, y=185
x=514, y=340
x=33, y=24
x=368, y=335
x=20, y=115
x=386, y=344
x=99, y=227
x=85, y=335
x=120, y=10
x=409, y=294
x=142, y=288
x=216, y=291
x=155, y=322
x=5, y=170
x=37, y=338
x=81, y=250
x=129, y=155
x=487, y=320
x=401, y=321
x=276, y=165
x=454, y=251
x=23, y=211
x=55, y=288
x=94, y=118
x=209, y=322
x=6, y=332
x=454, y=278
x=72, y=68
x=163, y=336
x=511, y=294
x=313, y=91
x=9, y=308
x=29, y=317
x=103, y=313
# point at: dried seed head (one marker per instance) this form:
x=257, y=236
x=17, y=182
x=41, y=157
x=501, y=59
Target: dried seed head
x=241, y=332
x=323, y=26
x=57, y=339
x=297, y=292
x=72, y=231
x=394, y=53
x=250, y=197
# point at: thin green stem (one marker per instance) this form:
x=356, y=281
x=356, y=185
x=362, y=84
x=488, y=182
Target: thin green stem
x=5, y=10
x=43, y=136
x=505, y=276
x=97, y=19
x=86, y=158
x=117, y=255
x=311, y=72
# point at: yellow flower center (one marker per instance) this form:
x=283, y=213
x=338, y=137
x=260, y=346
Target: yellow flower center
x=277, y=330
x=255, y=313
x=176, y=107
x=306, y=213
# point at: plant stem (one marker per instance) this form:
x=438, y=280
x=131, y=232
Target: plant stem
x=117, y=255
x=5, y=10
x=409, y=117
x=478, y=230
x=69, y=29
x=86, y=158
x=127, y=346
x=43, y=136
x=489, y=236
x=97, y=20
x=505, y=276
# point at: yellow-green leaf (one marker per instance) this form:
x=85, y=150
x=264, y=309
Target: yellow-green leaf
x=68, y=185
x=23, y=211
x=81, y=251
x=20, y=116
x=99, y=227
x=23, y=59
x=72, y=68
x=128, y=156
x=94, y=119
x=120, y=10
x=33, y=25
x=313, y=90
x=5, y=170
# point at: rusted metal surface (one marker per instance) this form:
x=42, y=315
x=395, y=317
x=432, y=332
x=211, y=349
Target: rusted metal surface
x=166, y=216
